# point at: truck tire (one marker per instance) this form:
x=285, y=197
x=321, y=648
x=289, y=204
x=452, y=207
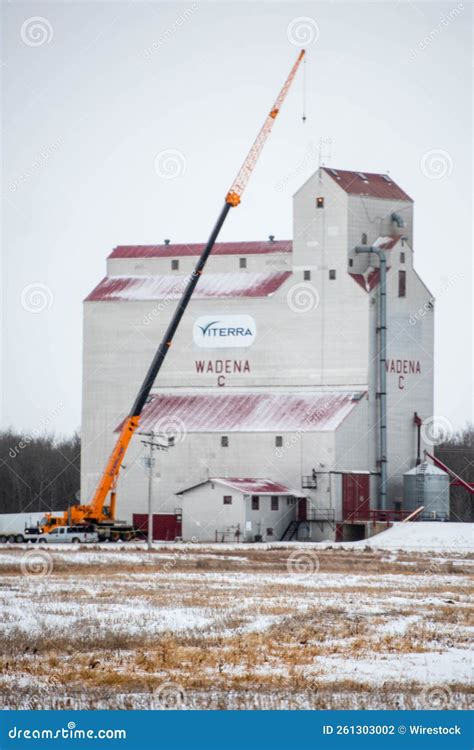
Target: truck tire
x=75, y=540
x=11, y=538
x=19, y=538
x=41, y=541
x=3, y=538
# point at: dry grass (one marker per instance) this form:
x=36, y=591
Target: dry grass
x=248, y=634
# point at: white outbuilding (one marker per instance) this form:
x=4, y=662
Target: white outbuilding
x=230, y=509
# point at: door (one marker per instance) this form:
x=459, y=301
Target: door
x=302, y=509
x=61, y=535
x=355, y=496
x=166, y=526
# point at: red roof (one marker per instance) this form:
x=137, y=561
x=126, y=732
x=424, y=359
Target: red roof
x=370, y=280
x=220, y=248
x=368, y=183
x=139, y=288
x=249, y=486
x=246, y=412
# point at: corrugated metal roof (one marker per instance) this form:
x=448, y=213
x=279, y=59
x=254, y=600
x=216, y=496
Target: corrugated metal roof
x=135, y=288
x=247, y=412
x=369, y=281
x=249, y=486
x=220, y=248
x=387, y=243
x=374, y=185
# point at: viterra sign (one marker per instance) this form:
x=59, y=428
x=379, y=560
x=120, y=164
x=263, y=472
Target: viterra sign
x=224, y=331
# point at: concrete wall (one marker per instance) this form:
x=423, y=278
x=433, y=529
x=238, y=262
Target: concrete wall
x=199, y=456
x=216, y=264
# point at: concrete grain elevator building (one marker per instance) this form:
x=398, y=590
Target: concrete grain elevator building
x=270, y=397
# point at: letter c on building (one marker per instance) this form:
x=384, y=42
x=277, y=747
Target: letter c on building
x=221, y=380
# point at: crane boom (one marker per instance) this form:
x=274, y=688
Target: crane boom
x=240, y=183
x=96, y=510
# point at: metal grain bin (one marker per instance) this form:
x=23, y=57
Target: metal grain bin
x=428, y=486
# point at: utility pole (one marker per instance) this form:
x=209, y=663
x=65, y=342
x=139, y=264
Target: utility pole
x=151, y=463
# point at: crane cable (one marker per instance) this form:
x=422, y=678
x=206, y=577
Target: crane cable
x=304, y=91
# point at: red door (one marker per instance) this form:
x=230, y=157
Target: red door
x=302, y=509
x=166, y=526
x=355, y=496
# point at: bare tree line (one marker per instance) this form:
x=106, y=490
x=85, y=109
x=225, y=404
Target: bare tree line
x=43, y=473
x=458, y=454
x=38, y=473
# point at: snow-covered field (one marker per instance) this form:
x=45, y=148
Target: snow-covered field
x=372, y=625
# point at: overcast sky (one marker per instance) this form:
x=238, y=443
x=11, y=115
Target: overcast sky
x=93, y=93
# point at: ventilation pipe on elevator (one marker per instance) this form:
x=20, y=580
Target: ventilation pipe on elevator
x=382, y=392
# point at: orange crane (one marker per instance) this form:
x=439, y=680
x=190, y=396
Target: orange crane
x=98, y=512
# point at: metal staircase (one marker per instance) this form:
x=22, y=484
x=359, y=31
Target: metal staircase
x=290, y=531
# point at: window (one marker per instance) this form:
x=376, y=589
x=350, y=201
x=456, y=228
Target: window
x=270, y=532
x=243, y=262
x=351, y=262
x=224, y=441
x=320, y=202
x=175, y=265
x=278, y=441
x=402, y=257
x=332, y=274
x=307, y=275
x=364, y=238
x=227, y=499
x=291, y=500
x=171, y=442
x=402, y=283
x=255, y=502
x=274, y=502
